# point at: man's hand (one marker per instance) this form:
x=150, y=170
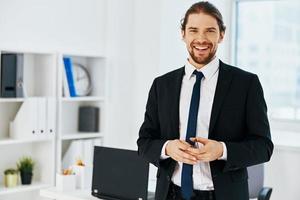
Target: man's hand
x=211, y=149
x=177, y=149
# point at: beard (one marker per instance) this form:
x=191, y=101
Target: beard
x=204, y=59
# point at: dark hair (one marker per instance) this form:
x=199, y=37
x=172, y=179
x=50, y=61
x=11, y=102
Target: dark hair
x=207, y=8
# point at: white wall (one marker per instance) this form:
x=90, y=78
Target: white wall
x=146, y=55
x=64, y=25
x=133, y=51
x=282, y=173
x=120, y=52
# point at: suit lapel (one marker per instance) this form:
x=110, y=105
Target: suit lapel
x=224, y=80
x=175, y=95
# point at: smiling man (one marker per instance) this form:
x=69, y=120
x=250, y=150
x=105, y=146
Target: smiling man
x=206, y=122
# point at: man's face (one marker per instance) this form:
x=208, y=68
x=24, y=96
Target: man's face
x=202, y=36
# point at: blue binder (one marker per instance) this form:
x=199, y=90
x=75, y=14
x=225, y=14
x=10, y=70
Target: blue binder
x=69, y=74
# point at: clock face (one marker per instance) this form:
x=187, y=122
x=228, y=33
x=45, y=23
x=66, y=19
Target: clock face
x=82, y=80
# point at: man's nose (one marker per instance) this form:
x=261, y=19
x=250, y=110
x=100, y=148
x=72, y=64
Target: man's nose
x=201, y=37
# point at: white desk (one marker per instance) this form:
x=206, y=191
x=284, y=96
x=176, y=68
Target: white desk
x=53, y=193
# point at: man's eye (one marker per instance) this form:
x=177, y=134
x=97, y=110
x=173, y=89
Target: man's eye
x=211, y=31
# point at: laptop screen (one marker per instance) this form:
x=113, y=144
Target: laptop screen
x=119, y=174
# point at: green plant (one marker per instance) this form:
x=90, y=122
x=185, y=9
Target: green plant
x=10, y=171
x=26, y=164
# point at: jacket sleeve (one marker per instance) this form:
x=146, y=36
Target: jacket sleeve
x=149, y=142
x=257, y=146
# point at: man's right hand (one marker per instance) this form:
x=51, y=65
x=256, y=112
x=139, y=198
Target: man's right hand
x=176, y=149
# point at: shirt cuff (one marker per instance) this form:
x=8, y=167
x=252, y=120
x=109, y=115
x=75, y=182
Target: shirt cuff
x=224, y=156
x=163, y=155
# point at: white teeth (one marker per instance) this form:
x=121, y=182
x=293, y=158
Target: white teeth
x=201, y=48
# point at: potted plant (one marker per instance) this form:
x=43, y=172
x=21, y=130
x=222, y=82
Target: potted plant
x=10, y=177
x=26, y=166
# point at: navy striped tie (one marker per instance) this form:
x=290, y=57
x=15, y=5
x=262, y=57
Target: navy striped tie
x=187, y=170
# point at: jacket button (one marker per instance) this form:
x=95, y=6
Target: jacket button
x=168, y=178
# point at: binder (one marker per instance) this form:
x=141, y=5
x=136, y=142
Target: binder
x=41, y=120
x=69, y=74
x=66, y=90
x=25, y=123
x=74, y=152
x=19, y=76
x=50, y=119
x=8, y=74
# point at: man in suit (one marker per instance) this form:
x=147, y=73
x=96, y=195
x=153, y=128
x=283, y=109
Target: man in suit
x=206, y=122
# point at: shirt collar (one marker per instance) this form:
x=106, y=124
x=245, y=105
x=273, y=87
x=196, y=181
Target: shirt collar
x=208, y=70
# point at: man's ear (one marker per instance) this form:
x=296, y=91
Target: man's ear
x=221, y=36
x=182, y=34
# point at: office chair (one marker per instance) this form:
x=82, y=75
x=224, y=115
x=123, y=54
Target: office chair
x=256, y=183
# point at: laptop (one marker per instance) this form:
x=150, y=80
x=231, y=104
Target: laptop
x=120, y=174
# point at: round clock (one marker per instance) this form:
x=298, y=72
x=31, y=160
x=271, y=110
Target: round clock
x=82, y=80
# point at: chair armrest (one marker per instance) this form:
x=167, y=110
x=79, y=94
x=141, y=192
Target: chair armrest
x=265, y=193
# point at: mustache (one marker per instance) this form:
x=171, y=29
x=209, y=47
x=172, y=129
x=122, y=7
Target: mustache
x=201, y=43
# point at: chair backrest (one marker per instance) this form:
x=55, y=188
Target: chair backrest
x=255, y=180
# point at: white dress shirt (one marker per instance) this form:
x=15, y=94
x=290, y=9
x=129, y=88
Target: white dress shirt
x=202, y=179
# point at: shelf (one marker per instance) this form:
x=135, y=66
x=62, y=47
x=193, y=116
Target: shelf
x=88, y=98
x=81, y=136
x=23, y=188
x=54, y=193
x=27, y=51
x=85, y=54
x=9, y=141
x=11, y=100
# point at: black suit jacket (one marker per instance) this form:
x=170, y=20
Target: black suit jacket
x=238, y=118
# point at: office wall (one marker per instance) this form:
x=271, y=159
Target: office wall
x=65, y=25
x=120, y=21
x=282, y=173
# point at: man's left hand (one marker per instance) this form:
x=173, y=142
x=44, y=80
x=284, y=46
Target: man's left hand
x=211, y=149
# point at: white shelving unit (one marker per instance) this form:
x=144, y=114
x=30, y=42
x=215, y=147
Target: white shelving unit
x=24, y=188
x=90, y=98
x=68, y=107
x=23, y=141
x=39, y=76
x=43, y=77
x=8, y=100
x=86, y=135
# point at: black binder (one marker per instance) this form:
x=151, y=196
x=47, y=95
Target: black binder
x=11, y=75
x=8, y=74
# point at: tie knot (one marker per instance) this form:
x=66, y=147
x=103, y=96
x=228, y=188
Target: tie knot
x=199, y=75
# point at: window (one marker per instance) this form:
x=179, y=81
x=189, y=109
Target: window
x=268, y=44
